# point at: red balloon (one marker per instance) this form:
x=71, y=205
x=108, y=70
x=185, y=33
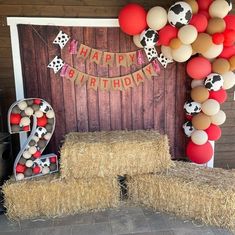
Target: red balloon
x=200, y=22
x=37, y=154
x=199, y=154
x=26, y=128
x=227, y=52
x=220, y=95
x=37, y=101
x=42, y=121
x=53, y=159
x=218, y=38
x=198, y=68
x=166, y=34
x=36, y=170
x=205, y=13
x=213, y=132
x=230, y=22
x=20, y=168
x=229, y=37
x=189, y=117
x=204, y=4
x=132, y=19
x=15, y=118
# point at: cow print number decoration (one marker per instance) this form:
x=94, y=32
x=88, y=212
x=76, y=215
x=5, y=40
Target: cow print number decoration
x=38, y=115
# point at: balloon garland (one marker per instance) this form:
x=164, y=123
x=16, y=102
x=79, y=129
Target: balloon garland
x=202, y=29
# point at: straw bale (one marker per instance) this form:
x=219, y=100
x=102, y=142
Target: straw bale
x=50, y=196
x=189, y=191
x=91, y=154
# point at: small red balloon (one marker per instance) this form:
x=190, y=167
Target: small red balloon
x=220, y=95
x=38, y=154
x=198, y=68
x=37, y=101
x=166, y=34
x=230, y=21
x=53, y=159
x=42, y=121
x=227, y=52
x=214, y=132
x=189, y=117
x=132, y=19
x=20, y=168
x=204, y=4
x=199, y=154
x=36, y=170
x=15, y=118
x=200, y=22
x=229, y=37
x=218, y=38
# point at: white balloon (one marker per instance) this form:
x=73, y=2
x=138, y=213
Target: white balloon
x=187, y=34
x=199, y=137
x=219, y=118
x=214, y=51
x=183, y=53
x=136, y=40
x=166, y=51
x=219, y=8
x=22, y=105
x=19, y=176
x=229, y=80
x=156, y=18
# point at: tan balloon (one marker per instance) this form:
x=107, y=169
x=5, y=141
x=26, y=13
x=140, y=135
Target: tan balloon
x=25, y=121
x=213, y=51
x=229, y=80
x=219, y=8
x=166, y=51
x=183, y=53
x=220, y=66
x=215, y=25
x=203, y=43
x=196, y=83
x=175, y=43
x=136, y=40
x=199, y=94
x=187, y=34
x=199, y=137
x=193, y=4
x=156, y=18
x=210, y=107
x=201, y=121
x=219, y=118
x=232, y=63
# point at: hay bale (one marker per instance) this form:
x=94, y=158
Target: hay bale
x=50, y=196
x=93, y=154
x=189, y=191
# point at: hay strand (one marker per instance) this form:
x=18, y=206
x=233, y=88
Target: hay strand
x=189, y=191
x=113, y=153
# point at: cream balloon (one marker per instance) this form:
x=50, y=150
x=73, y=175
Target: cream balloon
x=210, y=107
x=229, y=80
x=219, y=118
x=22, y=105
x=156, y=18
x=219, y=8
x=187, y=34
x=25, y=121
x=196, y=83
x=19, y=176
x=183, y=53
x=199, y=137
x=136, y=40
x=213, y=51
x=166, y=51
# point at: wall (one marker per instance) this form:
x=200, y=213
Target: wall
x=85, y=8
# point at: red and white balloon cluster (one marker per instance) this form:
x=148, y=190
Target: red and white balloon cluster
x=202, y=29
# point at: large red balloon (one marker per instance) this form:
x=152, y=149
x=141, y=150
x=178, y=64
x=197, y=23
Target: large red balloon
x=42, y=121
x=229, y=37
x=220, y=95
x=200, y=22
x=199, y=154
x=132, y=19
x=213, y=132
x=15, y=118
x=166, y=34
x=198, y=68
x=227, y=52
x=230, y=21
x=204, y=4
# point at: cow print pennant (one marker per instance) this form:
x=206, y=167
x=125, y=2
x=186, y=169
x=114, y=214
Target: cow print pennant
x=151, y=53
x=56, y=64
x=163, y=60
x=61, y=39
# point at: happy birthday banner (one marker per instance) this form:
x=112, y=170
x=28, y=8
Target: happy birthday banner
x=106, y=84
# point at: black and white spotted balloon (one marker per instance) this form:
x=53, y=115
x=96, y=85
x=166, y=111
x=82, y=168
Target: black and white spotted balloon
x=188, y=128
x=149, y=38
x=179, y=14
x=192, y=107
x=214, y=82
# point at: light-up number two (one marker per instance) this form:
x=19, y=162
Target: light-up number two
x=38, y=115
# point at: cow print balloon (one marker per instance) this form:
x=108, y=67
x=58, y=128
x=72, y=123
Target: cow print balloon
x=214, y=82
x=149, y=38
x=179, y=14
x=188, y=128
x=192, y=107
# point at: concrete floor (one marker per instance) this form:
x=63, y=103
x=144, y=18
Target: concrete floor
x=123, y=221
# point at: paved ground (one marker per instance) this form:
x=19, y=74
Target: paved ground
x=125, y=221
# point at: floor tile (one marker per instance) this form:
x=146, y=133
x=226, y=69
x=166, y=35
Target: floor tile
x=100, y=217
x=112, y=213
x=38, y=223
x=7, y=225
x=122, y=224
x=52, y=231
x=92, y=229
x=15, y=232
x=140, y=224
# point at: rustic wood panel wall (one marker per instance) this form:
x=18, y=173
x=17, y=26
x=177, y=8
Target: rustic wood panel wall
x=87, y=8
x=155, y=104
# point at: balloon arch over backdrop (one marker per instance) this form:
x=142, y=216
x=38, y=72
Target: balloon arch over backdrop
x=202, y=33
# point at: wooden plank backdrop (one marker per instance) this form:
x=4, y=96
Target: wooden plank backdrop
x=155, y=104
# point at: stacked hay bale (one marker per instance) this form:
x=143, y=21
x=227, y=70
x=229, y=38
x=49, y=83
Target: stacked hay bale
x=189, y=191
x=90, y=164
